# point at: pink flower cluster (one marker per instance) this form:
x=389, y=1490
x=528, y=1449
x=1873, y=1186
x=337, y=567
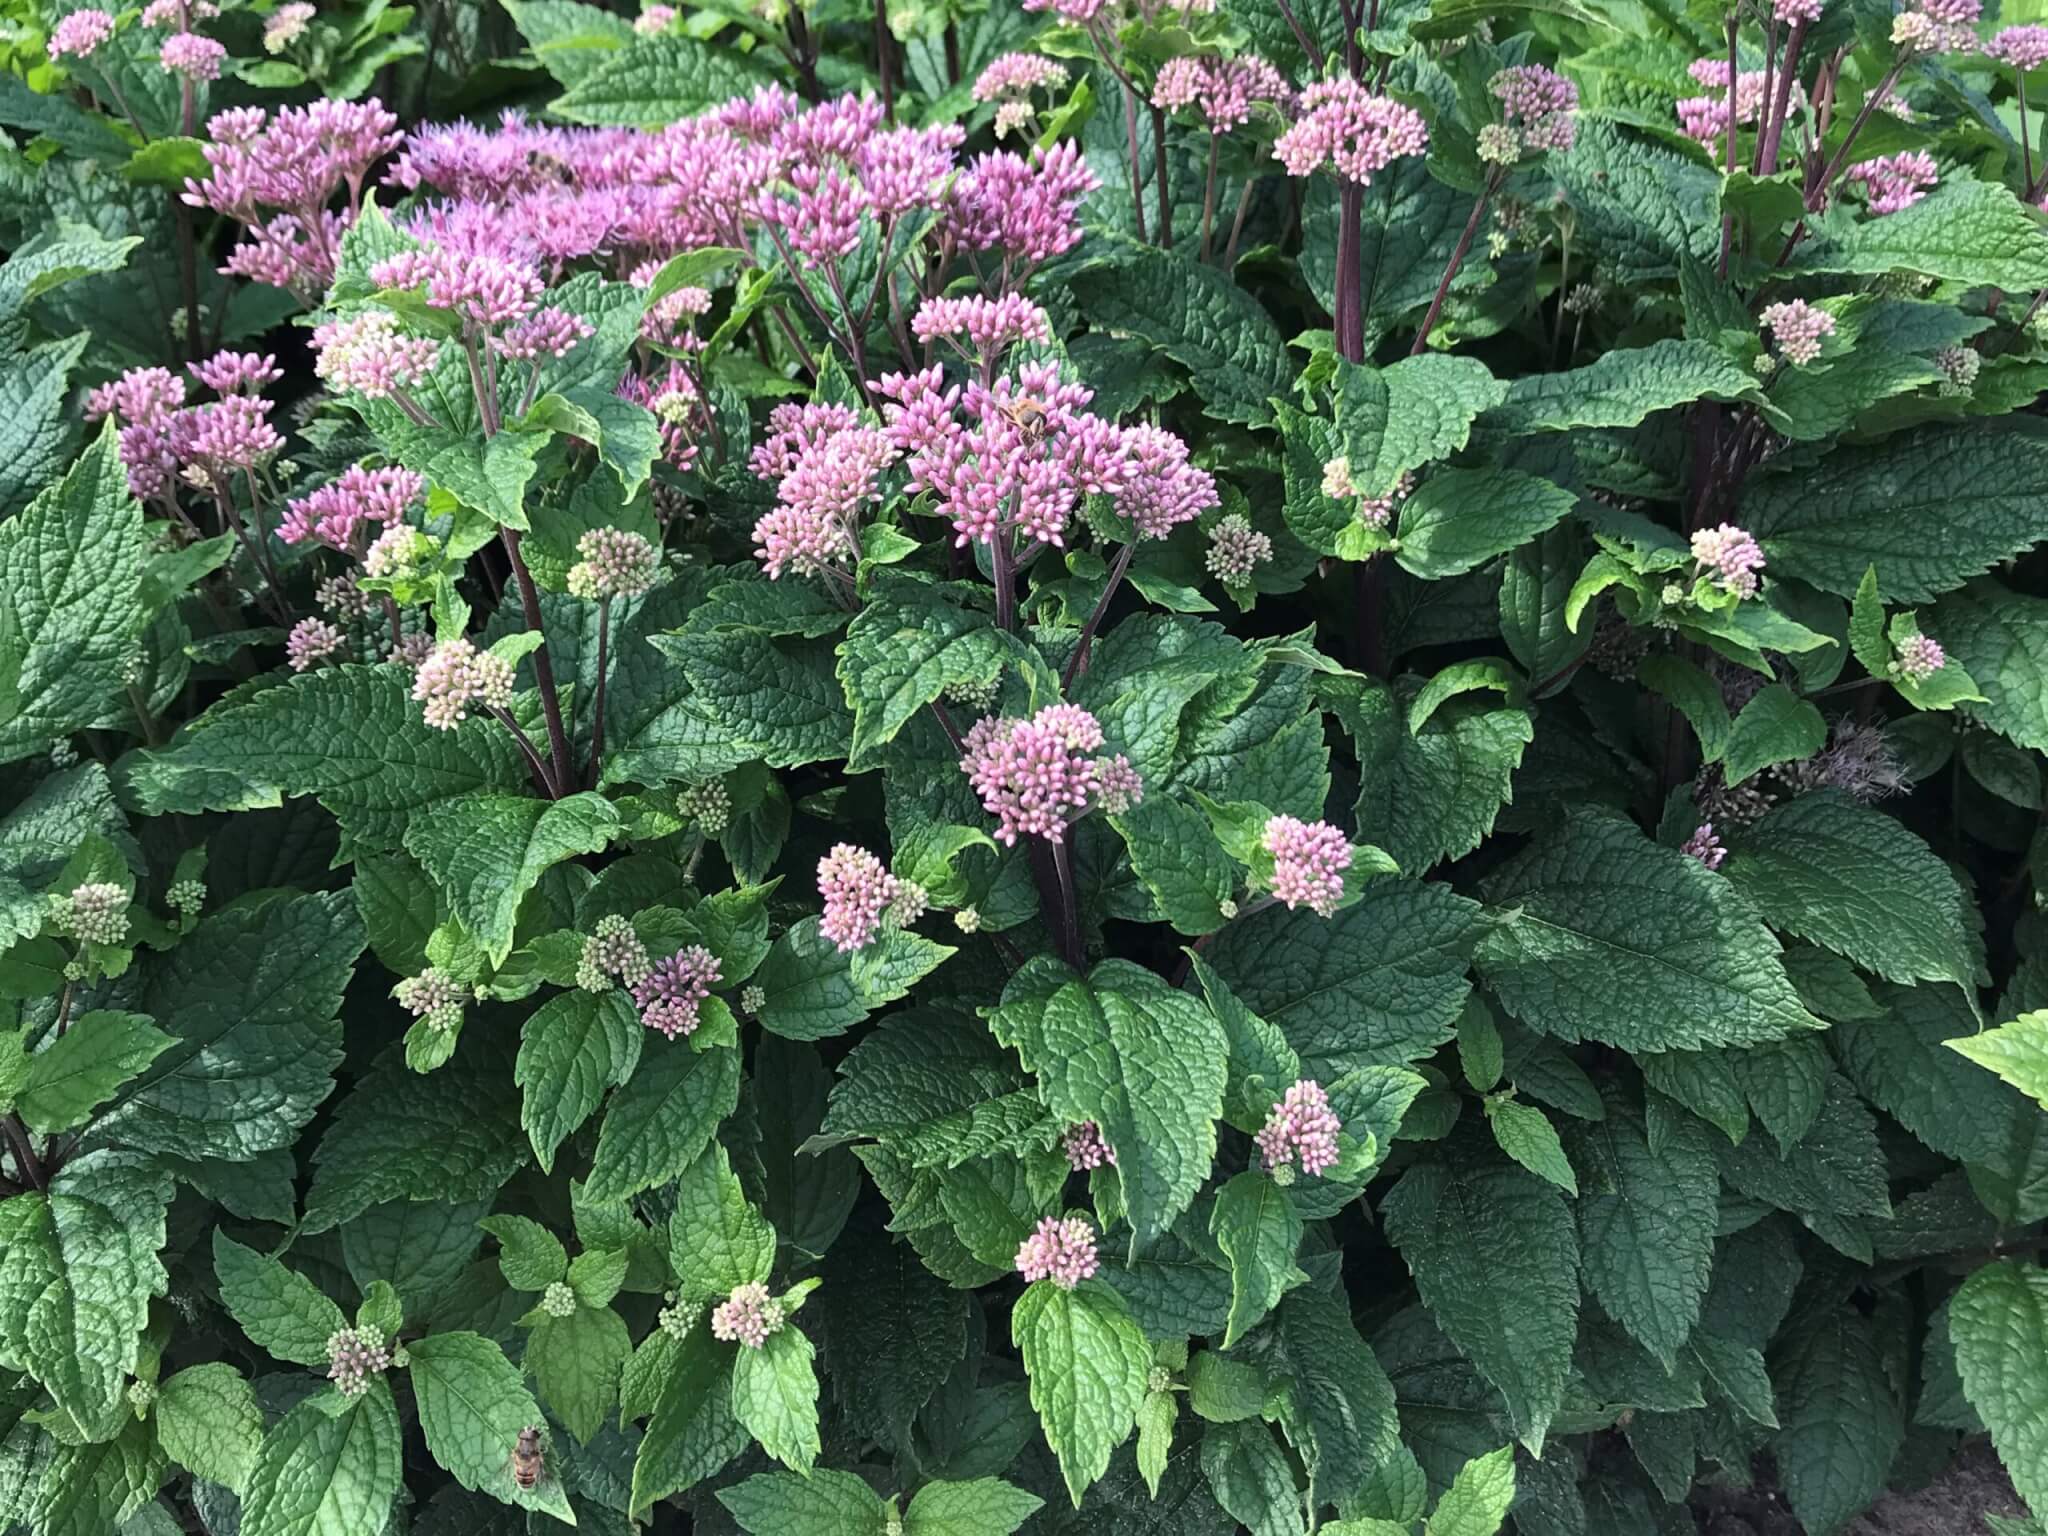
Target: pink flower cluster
x=1730, y=556
x=287, y=25
x=1919, y=658
x=1309, y=860
x=677, y=404
x=1539, y=104
x=671, y=993
x=483, y=289
x=236, y=373
x=192, y=55
x=1937, y=26
x=747, y=1316
x=826, y=465
x=163, y=439
x=1009, y=81
x=76, y=35
x=311, y=641
x=1357, y=132
x=1705, y=846
x=1798, y=329
x=456, y=674
x=857, y=891
x=1225, y=90
x=1301, y=1129
x=1796, y=13
x=1085, y=1148
x=278, y=173
x=613, y=562
x=1236, y=549
x=2024, y=48
x=1705, y=118
x=1062, y=1250
x=1892, y=182
x=989, y=327
x=369, y=354
x=338, y=512
x=1034, y=776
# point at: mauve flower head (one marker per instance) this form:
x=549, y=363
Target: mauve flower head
x=987, y=326
x=671, y=397
x=1118, y=784
x=1018, y=74
x=1062, y=1250
x=547, y=332
x=1301, y=1129
x=1236, y=549
x=178, y=13
x=857, y=890
x=1731, y=556
x=827, y=465
x=1798, y=329
x=1225, y=90
x=457, y=674
x=1539, y=103
x=310, y=642
x=1164, y=490
x=483, y=289
x=370, y=355
x=230, y=434
x=1026, y=206
x=144, y=397
x=2024, y=48
x=354, y=1355
x=747, y=1316
x=1705, y=118
x=1034, y=776
x=350, y=501
x=613, y=562
x=79, y=33
x=1937, y=26
x=1085, y=1148
x=1705, y=846
x=1919, y=658
x=1796, y=12
x=1893, y=182
x=232, y=373
x=287, y=25
x=1309, y=860
x=1358, y=133
x=654, y=20
x=193, y=56
x=669, y=995
x=904, y=169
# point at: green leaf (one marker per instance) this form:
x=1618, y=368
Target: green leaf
x=691, y=1433
x=1855, y=881
x=1695, y=695
x=2001, y=638
x=207, y=1420
x=1342, y=1416
x=488, y=851
x=1147, y=1064
x=660, y=1120
x=281, y=1311
x=1087, y=1362
x=1250, y=1476
x=575, y=1363
x=986, y=1506
x=1964, y=231
x=472, y=1406
x=1535, y=585
x=1525, y=1133
x=1477, y=1501
x=1647, y=1223
x=530, y=1257
x=1156, y=1418
x=1999, y=1323
x=775, y=1395
x=717, y=1240
x=2017, y=1052
x=82, y=1068
x=1623, y=941
x=84, y=1489
x=1871, y=505
x=70, y=610
x=328, y=1465
x=1776, y=726
x=1258, y=1230
x=37, y=426
x=1461, y=518
x=1899, y=1062
x=1644, y=207
x=1842, y=1418
x=1200, y=318
x=1224, y=1391
x=253, y=996
x=78, y=1267
x=569, y=38
x=1176, y=857
x=656, y=80
x=1619, y=389
x=1415, y=412
x=1461, y=1228
x=574, y=1048
x=900, y=653
x=825, y=1503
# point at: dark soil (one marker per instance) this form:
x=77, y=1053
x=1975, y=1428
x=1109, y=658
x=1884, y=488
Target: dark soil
x=1954, y=1504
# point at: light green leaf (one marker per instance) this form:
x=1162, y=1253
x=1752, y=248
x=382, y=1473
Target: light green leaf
x=2001, y=638
x=1776, y=726
x=84, y=1067
x=530, y=1257
x=575, y=1363
x=487, y=851
x=281, y=1311
x=1695, y=695
x=901, y=653
x=1477, y=1501
x=1251, y=1479
x=2017, y=1052
x=569, y=38
x=986, y=1506
x=1525, y=1133
x=1176, y=857
x=775, y=1395
x=575, y=1047
x=658, y=1122
x=1461, y=1228
x=1258, y=1230
x=1087, y=1362
x=691, y=1433
x=472, y=1406
x=1415, y=412
x=1999, y=1323
x=718, y=1241
x=1461, y=518
x=1619, y=389
x=656, y=80
x=1965, y=231
x=826, y=1503
x=1156, y=1418
x=207, y=1421
x=329, y=1465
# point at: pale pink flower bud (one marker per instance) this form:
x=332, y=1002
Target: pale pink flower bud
x=1705, y=846
x=1301, y=1129
x=857, y=890
x=1309, y=860
x=670, y=994
x=1085, y=1148
x=1798, y=329
x=1061, y=1250
x=193, y=56
x=747, y=1316
x=311, y=641
x=1731, y=556
x=1236, y=549
x=1919, y=658
x=79, y=33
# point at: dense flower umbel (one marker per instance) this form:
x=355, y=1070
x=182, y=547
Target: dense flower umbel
x=857, y=891
x=1034, y=776
x=310, y=642
x=338, y=512
x=613, y=952
x=1235, y=550
x=1008, y=82
x=354, y=1355
x=1705, y=118
x=1798, y=329
x=2023, y=48
x=1892, y=182
x=747, y=1316
x=1937, y=26
x=1085, y=1147
x=371, y=355
x=1309, y=860
x=1062, y=1250
x=988, y=327
x=708, y=805
x=193, y=55
x=1301, y=1129
x=827, y=467
x=670, y=994
x=1358, y=133
x=1919, y=658
x=433, y=996
x=1373, y=511
x=97, y=912
x=1731, y=556
x=78, y=34
x=1796, y=12
x=456, y=675
x=1539, y=104
x=558, y=1300
x=1705, y=846
x=287, y=25
x=1225, y=90
x=615, y=562
x=236, y=373
x=1959, y=368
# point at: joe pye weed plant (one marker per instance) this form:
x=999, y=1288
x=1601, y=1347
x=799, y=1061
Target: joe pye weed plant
x=1085, y=767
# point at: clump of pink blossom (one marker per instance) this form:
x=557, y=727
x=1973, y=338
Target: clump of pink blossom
x=1705, y=118
x=1705, y=846
x=655, y=20
x=857, y=890
x=192, y=55
x=1301, y=1130
x=1309, y=860
x=338, y=511
x=826, y=464
x=1919, y=658
x=236, y=373
x=1062, y=1250
x=1796, y=13
x=2024, y=47
x=1085, y=1148
x=456, y=675
x=370, y=355
x=1540, y=104
x=671, y=993
x=989, y=327
x=310, y=642
x=1034, y=776
x=1731, y=556
x=747, y=1316
x=1343, y=123
x=1224, y=90
x=1798, y=329
x=78, y=34
x=1893, y=182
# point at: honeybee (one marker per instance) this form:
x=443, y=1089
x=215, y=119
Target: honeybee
x=1028, y=416
x=528, y=1464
